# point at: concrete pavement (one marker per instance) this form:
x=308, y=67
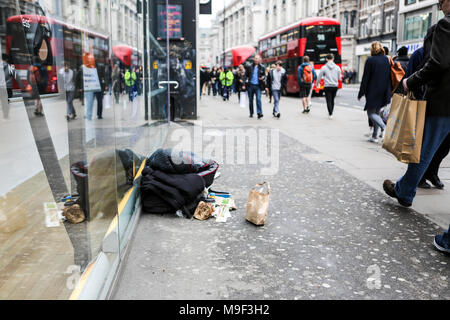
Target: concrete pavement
x=330, y=234
x=340, y=140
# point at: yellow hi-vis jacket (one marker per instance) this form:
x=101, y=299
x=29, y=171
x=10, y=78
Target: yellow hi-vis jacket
x=226, y=79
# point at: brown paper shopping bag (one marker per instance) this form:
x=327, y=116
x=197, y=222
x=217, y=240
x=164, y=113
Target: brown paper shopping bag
x=404, y=130
x=258, y=204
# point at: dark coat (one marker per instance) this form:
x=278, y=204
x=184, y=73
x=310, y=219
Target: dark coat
x=413, y=66
x=241, y=82
x=376, y=83
x=261, y=73
x=436, y=72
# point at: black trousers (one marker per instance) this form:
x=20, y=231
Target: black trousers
x=99, y=96
x=443, y=151
x=330, y=95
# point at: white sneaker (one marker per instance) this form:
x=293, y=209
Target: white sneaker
x=374, y=140
x=330, y=117
x=370, y=133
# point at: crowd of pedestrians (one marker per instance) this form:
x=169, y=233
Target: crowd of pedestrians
x=426, y=76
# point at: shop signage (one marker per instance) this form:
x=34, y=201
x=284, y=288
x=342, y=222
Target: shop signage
x=413, y=47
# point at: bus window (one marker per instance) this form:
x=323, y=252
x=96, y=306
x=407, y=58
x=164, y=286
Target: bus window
x=321, y=40
x=284, y=38
x=290, y=36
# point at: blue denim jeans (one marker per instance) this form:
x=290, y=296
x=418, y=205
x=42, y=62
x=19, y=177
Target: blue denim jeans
x=276, y=100
x=253, y=90
x=435, y=132
x=377, y=122
x=89, y=96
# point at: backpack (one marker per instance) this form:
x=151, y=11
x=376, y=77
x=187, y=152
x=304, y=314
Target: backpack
x=397, y=74
x=307, y=74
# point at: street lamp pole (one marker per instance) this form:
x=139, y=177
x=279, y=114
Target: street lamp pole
x=224, y=8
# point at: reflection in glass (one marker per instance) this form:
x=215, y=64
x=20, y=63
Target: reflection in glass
x=75, y=91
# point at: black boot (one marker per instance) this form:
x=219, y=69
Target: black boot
x=434, y=179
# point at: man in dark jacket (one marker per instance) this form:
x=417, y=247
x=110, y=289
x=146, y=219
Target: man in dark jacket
x=436, y=75
x=255, y=84
x=416, y=62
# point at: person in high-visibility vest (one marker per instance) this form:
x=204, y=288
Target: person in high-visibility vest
x=226, y=78
x=130, y=80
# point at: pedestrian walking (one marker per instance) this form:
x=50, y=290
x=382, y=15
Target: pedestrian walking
x=416, y=62
x=214, y=76
x=306, y=75
x=403, y=59
x=9, y=73
x=208, y=84
x=226, y=78
x=311, y=91
x=268, y=88
x=255, y=74
x=116, y=75
x=241, y=81
x=139, y=80
x=277, y=80
x=69, y=85
x=219, y=83
x=376, y=87
x=437, y=120
x=203, y=80
x=99, y=98
x=130, y=80
x=37, y=78
x=332, y=74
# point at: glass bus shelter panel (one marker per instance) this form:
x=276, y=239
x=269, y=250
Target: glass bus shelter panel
x=61, y=143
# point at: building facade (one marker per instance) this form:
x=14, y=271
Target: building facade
x=96, y=15
x=346, y=12
x=280, y=13
x=242, y=22
x=204, y=53
x=377, y=22
x=414, y=19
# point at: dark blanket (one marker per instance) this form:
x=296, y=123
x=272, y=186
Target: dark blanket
x=181, y=162
x=167, y=193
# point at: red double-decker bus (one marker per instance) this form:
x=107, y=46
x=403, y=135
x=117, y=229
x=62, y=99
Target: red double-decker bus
x=236, y=56
x=53, y=42
x=313, y=37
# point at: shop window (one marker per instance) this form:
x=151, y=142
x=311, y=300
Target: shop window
x=416, y=27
